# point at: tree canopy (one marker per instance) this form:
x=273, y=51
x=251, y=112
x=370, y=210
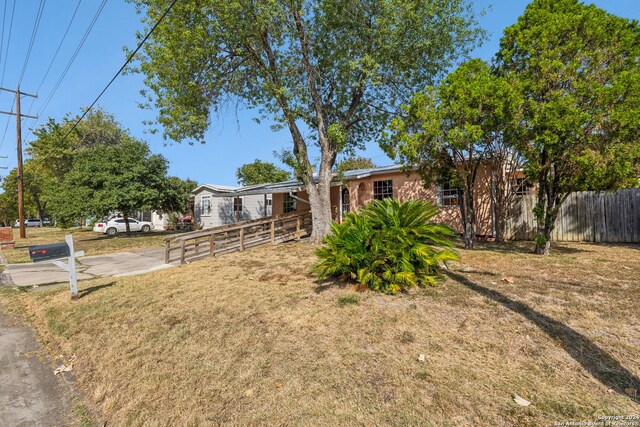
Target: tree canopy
x=578, y=69
x=94, y=169
x=353, y=163
x=332, y=72
x=448, y=131
x=259, y=172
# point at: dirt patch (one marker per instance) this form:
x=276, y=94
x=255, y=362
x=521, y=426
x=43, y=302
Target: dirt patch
x=248, y=338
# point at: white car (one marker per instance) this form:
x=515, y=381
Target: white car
x=117, y=225
x=31, y=222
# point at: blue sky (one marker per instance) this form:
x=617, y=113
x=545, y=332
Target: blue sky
x=232, y=141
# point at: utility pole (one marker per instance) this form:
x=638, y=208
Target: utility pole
x=23, y=233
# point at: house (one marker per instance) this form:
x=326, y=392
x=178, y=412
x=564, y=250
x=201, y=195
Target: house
x=216, y=205
x=354, y=190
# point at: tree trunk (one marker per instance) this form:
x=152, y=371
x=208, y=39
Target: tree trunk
x=320, y=200
x=126, y=224
x=500, y=224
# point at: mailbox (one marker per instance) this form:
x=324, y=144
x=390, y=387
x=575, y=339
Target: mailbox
x=49, y=252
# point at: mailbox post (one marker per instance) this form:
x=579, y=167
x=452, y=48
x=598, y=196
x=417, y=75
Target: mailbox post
x=54, y=253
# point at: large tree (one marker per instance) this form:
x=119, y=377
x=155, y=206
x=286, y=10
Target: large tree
x=330, y=71
x=579, y=71
x=115, y=178
x=448, y=132
x=259, y=172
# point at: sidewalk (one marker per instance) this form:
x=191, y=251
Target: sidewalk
x=89, y=267
x=30, y=393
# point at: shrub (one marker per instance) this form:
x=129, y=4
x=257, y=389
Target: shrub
x=388, y=246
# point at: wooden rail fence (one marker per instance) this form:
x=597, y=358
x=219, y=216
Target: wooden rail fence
x=236, y=237
x=586, y=216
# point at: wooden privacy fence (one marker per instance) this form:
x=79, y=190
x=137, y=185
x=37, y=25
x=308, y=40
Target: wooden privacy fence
x=586, y=216
x=237, y=237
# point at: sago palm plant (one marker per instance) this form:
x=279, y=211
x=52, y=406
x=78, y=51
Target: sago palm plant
x=387, y=246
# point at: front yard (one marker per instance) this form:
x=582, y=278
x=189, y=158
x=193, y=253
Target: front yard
x=84, y=240
x=251, y=338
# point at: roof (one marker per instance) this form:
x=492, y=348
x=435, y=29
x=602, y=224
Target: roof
x=214, y=188
x=293, y=186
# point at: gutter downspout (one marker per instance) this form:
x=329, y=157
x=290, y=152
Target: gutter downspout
x=293, y=196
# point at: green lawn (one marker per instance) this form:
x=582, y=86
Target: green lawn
x=84, y=239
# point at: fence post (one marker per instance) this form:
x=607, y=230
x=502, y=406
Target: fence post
x=273, y=231
x=242, y=239
x=167, y=251
x=298, y=228
x=182, y=252
x=212, y=245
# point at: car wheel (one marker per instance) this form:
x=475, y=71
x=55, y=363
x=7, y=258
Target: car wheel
x=145, y=228
x=111, y=231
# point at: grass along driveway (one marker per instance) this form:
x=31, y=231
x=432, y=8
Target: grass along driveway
x=251, y=338
x=84, y=240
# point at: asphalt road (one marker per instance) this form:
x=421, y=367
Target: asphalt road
x=30, y=393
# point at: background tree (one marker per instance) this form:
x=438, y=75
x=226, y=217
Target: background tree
x=8, y=208
x=33, y=203
x=449, y=131
x=578, y=69
x=115, y=178
x=259, y=172
x=334, y=70
x=176, y=194
x=54, y=149
x=353, y=163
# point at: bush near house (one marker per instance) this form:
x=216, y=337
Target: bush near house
x=388, y=246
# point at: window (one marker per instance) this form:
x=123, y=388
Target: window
x=520, y=186
x=383, y=189
x=269, y=200
x=448, y=194
x=132, y=221
x=206, y=205
x=290, y=204
x=346, y=201
x=237, y=204
x=119, y=221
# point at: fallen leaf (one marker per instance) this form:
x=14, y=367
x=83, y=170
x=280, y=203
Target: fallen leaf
x=249, y=393
x=631, y=391
x=63, y=368
x=520, y=401
x=421, y=358
x=508, y=279
x=278, y=385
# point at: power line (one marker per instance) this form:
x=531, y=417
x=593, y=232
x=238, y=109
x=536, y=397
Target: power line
x=73, y=57
x=4, y=67
x=55, y=55
x=34, y=33
x=123, y=67
x=4, y=18
x=69, y=63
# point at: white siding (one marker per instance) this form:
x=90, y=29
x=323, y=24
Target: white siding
x=222, y=209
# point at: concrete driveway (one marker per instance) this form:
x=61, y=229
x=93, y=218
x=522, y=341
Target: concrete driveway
x=89, y=267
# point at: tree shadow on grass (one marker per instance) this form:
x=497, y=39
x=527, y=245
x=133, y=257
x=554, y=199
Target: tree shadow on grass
x=323, y=285
x=525, y=247
x=599, y=363
x=86, y=291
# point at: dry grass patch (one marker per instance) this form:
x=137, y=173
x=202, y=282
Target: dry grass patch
x=84, y=240
x=251, y=338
